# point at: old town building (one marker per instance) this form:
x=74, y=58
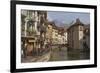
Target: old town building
x=75, y=35
x=52, y=33
x=62, y=35
x=49, y=32
x=56, y=35
x=87, y=37
x=33, y=30
x=65, y=36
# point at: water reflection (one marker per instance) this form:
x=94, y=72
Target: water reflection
x=62, y=54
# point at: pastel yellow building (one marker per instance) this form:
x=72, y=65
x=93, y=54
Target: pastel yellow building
x=49, y=32
x=55, y=34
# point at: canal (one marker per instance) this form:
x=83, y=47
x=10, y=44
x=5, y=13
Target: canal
x=62, y=54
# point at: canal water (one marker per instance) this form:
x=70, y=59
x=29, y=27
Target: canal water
x=62, y=54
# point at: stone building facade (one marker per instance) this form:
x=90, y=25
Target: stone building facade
x=33, y=29
x=75, y=35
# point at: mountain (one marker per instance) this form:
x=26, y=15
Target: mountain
x=62, y=24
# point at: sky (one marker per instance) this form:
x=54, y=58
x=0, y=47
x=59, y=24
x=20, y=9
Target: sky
x=68, y=17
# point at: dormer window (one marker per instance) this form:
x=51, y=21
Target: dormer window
x=81, y=28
